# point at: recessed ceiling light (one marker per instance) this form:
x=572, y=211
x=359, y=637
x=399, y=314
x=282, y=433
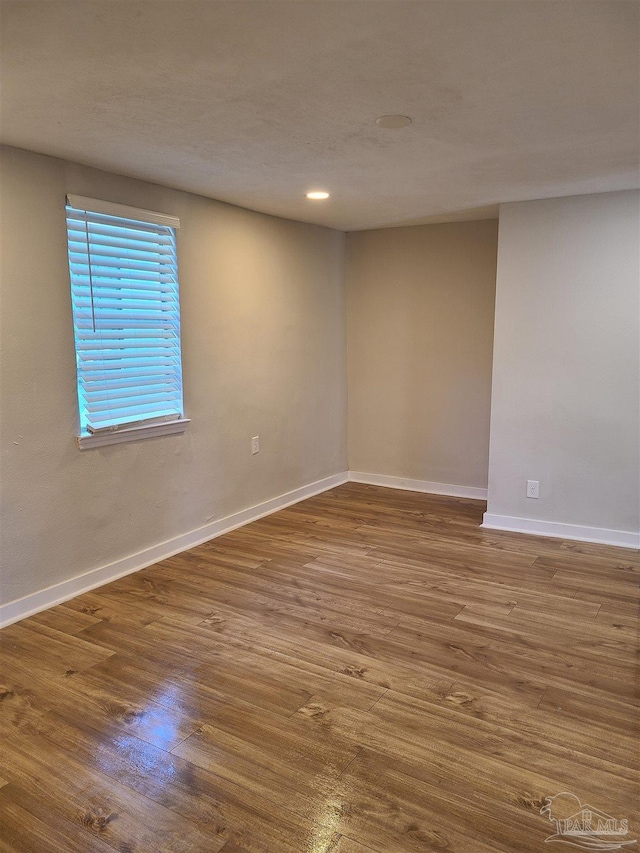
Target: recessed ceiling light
x=393, y=122
x=318, y=194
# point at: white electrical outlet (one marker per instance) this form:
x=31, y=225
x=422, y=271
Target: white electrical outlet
x=533, y=489
x=255, y=444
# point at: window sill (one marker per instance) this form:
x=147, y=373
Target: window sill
x=134, y=433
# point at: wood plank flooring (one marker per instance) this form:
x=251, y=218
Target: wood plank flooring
x=364, y=671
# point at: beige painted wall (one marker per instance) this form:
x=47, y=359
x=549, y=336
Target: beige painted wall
x=566, y=362
x=263, y=336
x=420, y=326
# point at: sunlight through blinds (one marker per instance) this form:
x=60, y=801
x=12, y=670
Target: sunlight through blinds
x=126, y=313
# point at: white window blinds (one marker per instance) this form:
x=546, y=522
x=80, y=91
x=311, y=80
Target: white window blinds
x=126, y=314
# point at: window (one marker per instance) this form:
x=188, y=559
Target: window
x=126, y=319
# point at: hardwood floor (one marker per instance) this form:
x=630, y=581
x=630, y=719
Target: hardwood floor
x=365, y=671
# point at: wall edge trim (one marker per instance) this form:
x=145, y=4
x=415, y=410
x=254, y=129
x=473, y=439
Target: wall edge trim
x=557, y=530
x=425, y=486
x=35, y=602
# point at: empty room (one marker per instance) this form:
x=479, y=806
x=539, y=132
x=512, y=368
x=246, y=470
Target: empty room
x=320, y=426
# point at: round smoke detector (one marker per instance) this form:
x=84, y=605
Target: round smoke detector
x=393, y=122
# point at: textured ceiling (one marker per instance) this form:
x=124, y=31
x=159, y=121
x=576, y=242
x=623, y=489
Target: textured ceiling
x=257, y=102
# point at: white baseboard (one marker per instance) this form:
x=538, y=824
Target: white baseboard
x=601, y=535
x=418, y=485
x=57, y=594
x=37, y=601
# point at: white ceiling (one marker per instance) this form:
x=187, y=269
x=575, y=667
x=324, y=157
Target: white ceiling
x=257, y=102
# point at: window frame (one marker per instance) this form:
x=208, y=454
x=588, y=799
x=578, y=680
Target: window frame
x=134, y=430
